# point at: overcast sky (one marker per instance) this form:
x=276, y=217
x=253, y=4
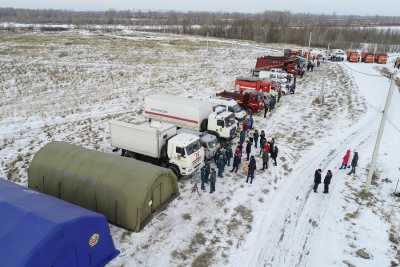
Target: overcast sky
x=361, y=7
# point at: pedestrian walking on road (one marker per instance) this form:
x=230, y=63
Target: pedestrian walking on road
x=213, y=179
x=327, y=181
x=317, y=179
x=252, y=168
x=248, y=149
x=345, y=159
x=354, y=163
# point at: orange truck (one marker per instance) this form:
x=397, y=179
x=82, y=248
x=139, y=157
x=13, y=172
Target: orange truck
x=353, y=56
x=381, y=58
x=367, y=57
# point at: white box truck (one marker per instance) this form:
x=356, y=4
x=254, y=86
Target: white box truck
x=160, y=144
x=190, y=113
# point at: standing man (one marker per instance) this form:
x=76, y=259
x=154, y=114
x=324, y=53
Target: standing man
x=213, y=179
x=274, y=154
x=203, y=177
x=221, y=164
x=228, y=154
x=248, y=149
x=354, y=163
x=252, y=168
x=256, y=136
x=265, y=158
x=242, y=137
x=251, y=121
x=317, y=179
x=236, y=160
x=327, y=181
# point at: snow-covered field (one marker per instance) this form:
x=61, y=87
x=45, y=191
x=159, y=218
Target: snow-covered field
x=67, y=86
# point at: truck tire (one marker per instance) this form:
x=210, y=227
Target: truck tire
x=203, y=125
x=176, y=171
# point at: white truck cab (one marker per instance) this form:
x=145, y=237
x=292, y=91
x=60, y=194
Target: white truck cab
x=223, y=123
x=229, y=105
x=185, y=151
x=160, y=144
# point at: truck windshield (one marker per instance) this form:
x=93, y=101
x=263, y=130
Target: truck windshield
x=193, y=147
x=230, y=120
x=212, y=144
x=236, y=108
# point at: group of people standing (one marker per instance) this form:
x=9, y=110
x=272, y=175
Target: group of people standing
x=250, y=140
x=270, y=101
x=353, y=164
x=328, y=176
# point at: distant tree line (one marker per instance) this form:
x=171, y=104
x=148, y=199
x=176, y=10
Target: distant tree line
x=337, y=31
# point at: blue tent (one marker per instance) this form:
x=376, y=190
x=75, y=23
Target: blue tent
x=37, y=230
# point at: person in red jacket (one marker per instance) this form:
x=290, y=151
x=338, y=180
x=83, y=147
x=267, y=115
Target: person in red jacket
x=345, y=160
x=267, y=148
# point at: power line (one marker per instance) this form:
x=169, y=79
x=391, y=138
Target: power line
x=363, y=73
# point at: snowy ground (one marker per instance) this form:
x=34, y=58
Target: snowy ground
x=67, y=86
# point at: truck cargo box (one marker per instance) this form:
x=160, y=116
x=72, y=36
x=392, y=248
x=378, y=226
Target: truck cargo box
x=181, y=111
x=144, y=138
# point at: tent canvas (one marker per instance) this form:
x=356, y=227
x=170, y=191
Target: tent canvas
x=39, y=230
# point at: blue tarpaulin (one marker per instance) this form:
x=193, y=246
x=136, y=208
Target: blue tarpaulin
x=37, y=230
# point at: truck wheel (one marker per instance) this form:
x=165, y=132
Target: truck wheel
x=175, y=169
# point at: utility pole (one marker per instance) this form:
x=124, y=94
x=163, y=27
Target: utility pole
x=207, y=42
x=309, y=46
x=380, y=132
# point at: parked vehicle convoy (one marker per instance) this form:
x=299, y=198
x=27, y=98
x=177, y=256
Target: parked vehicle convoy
x=353, y=56
x=381, y=58
x=229, y=105
x=160, y=144
x=190, y=113
x=248, y=99
x=289, y=64
x=367, y=57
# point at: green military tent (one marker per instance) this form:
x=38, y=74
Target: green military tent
x=125, y=190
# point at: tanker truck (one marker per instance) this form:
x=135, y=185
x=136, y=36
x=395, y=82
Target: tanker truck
x=189, y=113
x=160, y=144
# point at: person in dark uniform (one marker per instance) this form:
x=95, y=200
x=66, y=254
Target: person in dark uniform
x=317, y=179
x=327, y=181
